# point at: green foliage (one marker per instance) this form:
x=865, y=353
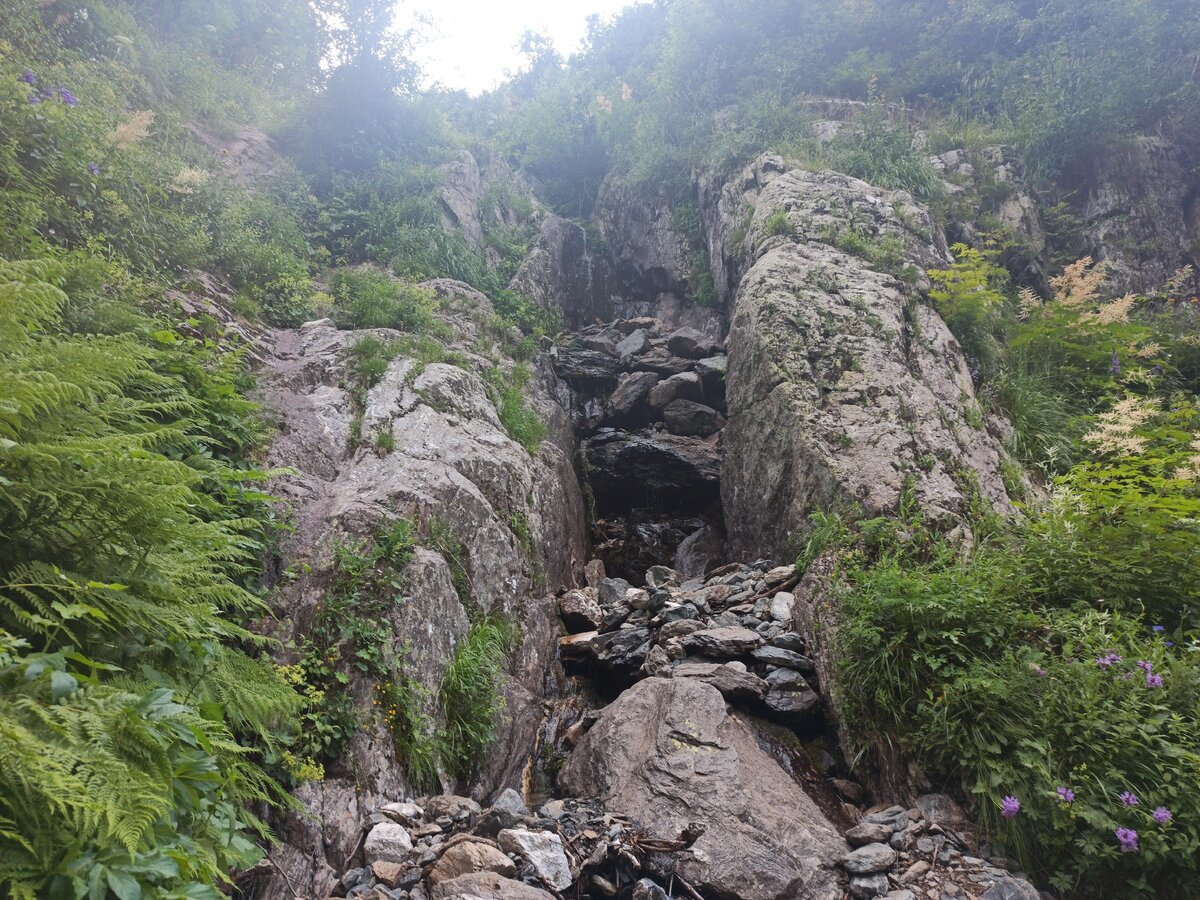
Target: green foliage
x=469, y=698
x=1011, y=700
x=1123, y=530
x=969, y=296
x=126, y=538
x=521, y=421
x=370, y=299
x=882, y=153
x=885, y=254
x=777, y=225
x=351, y=635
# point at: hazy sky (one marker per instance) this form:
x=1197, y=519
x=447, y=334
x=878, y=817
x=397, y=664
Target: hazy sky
x=470, y=44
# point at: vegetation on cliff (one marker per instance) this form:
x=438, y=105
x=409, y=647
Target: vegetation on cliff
x=143, y=727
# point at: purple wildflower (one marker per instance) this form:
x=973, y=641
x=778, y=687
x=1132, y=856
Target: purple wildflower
x=28, y=77
x=93, y=168
x=1157, y=628
x=1009, y=807
x=1129, y=798
x=1168, y=643
x=1162, y=815
x=1128, y=839
x=34, y=99
x=1145, y=666
x=1039, y=671
x=1128, y=676
x=1066, y=795
x=67, y=97
x=1115, y=368
x=1107, y=660
x=1154, y=681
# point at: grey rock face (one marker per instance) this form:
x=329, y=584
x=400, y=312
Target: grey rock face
x=452, y=461
x=839, y=378
x=1140, y=214
x=667, y=753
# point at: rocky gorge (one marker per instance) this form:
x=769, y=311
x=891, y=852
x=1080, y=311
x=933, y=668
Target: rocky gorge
x=670, y=710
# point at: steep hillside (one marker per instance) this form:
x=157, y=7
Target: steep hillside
x=758, y=457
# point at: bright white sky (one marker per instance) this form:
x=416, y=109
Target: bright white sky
x=471, y=44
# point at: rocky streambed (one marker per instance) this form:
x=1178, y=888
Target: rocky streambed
x=696, y=781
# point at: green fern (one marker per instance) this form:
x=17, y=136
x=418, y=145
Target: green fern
x=124, y=540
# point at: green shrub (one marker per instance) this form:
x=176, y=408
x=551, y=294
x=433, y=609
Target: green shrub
x=969, y=296
x=367, y=298
x=1123, y=529
x=127, y=539
x=519, y=419
x=470, y=698
x=777, y=225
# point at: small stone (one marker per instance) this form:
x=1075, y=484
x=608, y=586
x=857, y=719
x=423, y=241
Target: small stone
x=781, y=606
x=869, y=859
x=723, y=643
x=407, y=814
x=849, y=790
x=457, y=808
x=661, y=577
x=868, y=833
x=1011, y=889
x=579, y=611
x=684, y=386
x=593, y=573
x=915, y=871
x=657, y=662
x=510, y=802
x=691, y=344
x=896, y=816
x=612, y=591
x=637, y=598
x=634, y=343
x=427, y=830
x=900, y=895
x=387, y=842
x=646, y=889
x=864, y=887
x=389, y=873
x=777, y=656
x=553, y=809
x=470, y=856
x=779, y=575
x=542, y=851
x=354, y=877
x=603, y=886
x=925, y=845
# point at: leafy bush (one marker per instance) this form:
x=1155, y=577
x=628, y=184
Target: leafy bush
x=969, y=297
x=126, y=542
x=1015, y=700
x=1123, y=529
x=367, y=298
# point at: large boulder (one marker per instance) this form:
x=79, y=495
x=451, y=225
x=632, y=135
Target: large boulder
x=843, y=386
x=667, y=753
